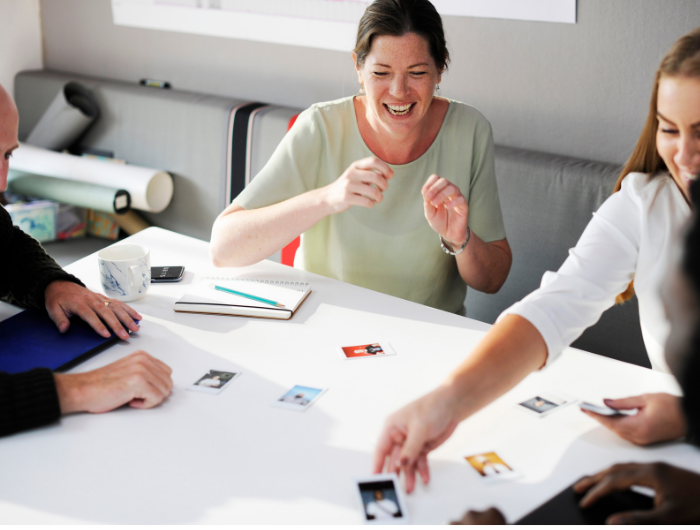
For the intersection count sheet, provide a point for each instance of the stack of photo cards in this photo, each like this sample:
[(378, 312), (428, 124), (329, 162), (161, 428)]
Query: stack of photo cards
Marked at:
[(299, 398), (545, 403), (375, 349), (213, 382), (381, 499), (491, 467)]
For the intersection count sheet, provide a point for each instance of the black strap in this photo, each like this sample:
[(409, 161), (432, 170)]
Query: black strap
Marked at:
[(239, 148)]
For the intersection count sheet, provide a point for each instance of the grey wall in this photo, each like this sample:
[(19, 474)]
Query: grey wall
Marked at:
[(579, 90)]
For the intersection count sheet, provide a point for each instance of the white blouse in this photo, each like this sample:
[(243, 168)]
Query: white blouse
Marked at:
[(631, 236)]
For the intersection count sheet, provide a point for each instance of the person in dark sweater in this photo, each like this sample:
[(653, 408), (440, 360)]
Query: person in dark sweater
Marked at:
[(31, 278)]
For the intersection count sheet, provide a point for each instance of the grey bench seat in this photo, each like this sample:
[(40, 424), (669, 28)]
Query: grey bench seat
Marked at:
[(547, 202)]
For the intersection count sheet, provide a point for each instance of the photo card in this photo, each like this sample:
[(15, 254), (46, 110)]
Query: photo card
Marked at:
[(213, 382), (545, 403), (491, 467), (375, 349), (299, 398), (381, 499)]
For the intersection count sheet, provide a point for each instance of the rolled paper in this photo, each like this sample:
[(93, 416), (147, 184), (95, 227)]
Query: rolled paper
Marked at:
[(70, 113), (150, 189), (70, 192), (131, 222)]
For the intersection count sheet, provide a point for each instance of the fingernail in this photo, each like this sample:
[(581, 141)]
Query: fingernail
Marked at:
[(607, 401), (123, 334)]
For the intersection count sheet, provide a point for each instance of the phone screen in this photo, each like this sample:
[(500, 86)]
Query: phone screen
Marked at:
[(166, 274)]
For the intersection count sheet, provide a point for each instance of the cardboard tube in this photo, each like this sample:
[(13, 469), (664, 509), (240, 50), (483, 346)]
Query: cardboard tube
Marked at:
[(70, 113), (150, 189), (70, 192), (131, 222)]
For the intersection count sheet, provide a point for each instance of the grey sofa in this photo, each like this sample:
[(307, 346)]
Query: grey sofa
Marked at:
[(547, 201)]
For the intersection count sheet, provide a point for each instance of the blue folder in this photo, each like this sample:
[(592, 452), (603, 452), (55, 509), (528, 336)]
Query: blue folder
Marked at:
[(30, 339)]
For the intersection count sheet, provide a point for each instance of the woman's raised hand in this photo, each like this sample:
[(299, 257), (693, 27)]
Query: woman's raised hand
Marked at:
[(362, 184), (446, 210)]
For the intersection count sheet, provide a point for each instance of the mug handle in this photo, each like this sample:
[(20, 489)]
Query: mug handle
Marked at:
[(132, 272)]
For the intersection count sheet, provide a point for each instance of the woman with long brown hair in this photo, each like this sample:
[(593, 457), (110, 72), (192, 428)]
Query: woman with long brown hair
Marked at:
[(630, 238)]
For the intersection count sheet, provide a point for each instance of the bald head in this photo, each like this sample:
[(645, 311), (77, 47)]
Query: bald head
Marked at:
[(9, 121)]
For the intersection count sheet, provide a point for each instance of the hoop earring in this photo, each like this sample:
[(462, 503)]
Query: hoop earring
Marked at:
[(362, 90), (437, 90)]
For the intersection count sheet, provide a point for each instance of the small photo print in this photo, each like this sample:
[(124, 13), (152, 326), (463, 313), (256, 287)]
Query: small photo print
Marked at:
[(545, 403), (381, 501), (299, 398), (491, 467), (375, 349), (213, 382)]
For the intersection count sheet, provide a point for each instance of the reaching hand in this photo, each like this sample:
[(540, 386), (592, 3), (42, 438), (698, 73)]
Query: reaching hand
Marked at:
[(446, 210), (139, 380), (65, 299), (411, 433), (677, 492), (362, 184), (490, 516), (659, 418)]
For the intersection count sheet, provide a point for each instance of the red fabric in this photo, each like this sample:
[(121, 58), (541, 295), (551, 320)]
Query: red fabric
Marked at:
[(290, 250)]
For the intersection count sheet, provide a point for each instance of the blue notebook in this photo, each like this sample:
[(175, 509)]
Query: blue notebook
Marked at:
[(30, 339)]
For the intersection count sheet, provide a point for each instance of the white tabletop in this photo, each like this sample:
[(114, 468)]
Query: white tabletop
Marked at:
[(233, 458)]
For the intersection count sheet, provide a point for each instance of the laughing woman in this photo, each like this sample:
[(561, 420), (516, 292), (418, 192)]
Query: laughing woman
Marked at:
[(393, 189)]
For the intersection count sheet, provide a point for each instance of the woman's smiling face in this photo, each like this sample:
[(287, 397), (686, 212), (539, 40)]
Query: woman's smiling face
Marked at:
[(678, 135), (399, 76)]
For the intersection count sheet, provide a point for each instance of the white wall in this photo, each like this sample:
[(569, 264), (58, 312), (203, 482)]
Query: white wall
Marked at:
[(20, 39), (580, 90)]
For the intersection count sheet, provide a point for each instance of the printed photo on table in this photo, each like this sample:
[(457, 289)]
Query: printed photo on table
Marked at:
[(375, 349), (299, 397), (545, 403), (380, 501), (213, 382), (491, 466)]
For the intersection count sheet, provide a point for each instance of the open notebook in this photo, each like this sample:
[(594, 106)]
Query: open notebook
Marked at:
[(205, 298)]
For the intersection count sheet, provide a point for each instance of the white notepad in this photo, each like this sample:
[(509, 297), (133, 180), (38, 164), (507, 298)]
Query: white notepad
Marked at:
[(204, 298)]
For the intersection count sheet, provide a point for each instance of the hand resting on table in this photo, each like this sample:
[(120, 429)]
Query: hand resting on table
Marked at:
[(139, 380)]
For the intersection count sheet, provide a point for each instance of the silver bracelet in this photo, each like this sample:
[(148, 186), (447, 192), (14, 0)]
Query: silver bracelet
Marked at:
[(448, 248)]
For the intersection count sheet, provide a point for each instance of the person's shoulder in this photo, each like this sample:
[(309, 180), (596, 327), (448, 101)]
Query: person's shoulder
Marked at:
[(646, 188), (464, 114), (326, 114)]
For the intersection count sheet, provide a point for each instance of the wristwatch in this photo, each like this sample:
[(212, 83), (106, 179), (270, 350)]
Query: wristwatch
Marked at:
[(451, 251)]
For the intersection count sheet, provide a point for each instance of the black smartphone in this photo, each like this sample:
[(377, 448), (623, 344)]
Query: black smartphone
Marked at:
[(166, 274)]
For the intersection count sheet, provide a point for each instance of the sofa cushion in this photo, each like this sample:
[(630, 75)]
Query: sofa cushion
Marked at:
[(547, 201)]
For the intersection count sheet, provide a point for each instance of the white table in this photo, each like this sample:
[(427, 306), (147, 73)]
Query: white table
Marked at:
[(233, 458)]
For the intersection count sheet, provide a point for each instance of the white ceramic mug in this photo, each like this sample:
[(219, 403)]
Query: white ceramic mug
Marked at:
[(125, 271)]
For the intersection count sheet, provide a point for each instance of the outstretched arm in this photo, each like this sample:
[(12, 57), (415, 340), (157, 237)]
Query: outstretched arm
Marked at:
[(510, 351)]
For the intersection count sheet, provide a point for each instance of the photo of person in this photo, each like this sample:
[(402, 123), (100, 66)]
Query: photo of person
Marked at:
[(539, 404), (213, 381), (299, 397), (366, 350), (490, 465), (379, 500)]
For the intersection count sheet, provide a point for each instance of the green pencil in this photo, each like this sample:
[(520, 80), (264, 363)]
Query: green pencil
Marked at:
[(244, 295)]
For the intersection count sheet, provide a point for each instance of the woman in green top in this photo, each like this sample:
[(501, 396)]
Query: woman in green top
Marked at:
[(393, 189)]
